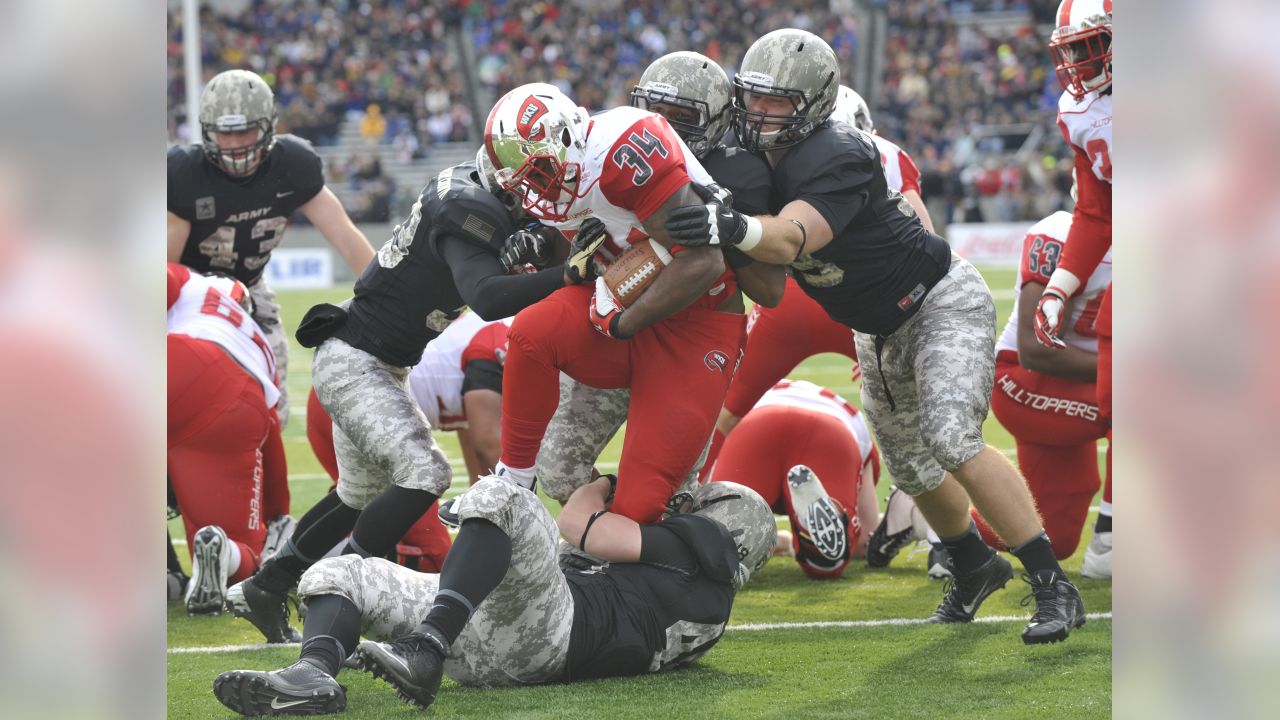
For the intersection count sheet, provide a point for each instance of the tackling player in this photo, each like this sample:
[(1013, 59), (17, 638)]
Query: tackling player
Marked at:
[(231, 195), (924, 315), (443, 257), (1081, 49), (503, 613)]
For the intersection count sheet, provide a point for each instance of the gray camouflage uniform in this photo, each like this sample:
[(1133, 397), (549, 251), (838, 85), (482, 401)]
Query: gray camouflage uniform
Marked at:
[(380, 435), (266, 312), (940, 367), (518, 635)]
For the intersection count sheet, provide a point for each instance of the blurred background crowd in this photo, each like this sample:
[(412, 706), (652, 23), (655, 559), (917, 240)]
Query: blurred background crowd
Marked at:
[(966, 87)]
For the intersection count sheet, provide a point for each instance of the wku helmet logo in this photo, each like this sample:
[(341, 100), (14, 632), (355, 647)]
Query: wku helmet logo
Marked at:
[(532, 112)]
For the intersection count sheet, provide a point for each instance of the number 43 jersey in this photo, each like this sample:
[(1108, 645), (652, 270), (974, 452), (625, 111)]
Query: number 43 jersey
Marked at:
[(235, 224), (1041, 251)]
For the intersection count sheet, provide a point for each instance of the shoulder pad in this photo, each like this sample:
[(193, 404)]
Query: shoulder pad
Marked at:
[(460, 206), (745, 175), (834, 157), (300, 162)]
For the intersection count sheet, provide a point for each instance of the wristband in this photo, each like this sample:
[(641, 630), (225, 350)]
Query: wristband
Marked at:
[(582, 541), (755, 230)]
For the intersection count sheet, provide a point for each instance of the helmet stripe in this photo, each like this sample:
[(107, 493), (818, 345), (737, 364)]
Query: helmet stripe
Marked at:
[(1064, 13)]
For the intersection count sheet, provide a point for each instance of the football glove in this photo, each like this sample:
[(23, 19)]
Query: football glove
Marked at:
[(526, 246), (605, 312), (579, 268), (1049, 317), (716, 223)]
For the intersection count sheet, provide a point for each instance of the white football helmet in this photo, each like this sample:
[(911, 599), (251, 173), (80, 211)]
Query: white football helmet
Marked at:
[(527, 137), (1081, 46), (852, 109)]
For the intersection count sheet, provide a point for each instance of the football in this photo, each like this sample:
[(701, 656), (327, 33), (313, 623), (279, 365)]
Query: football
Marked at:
[(635, 270)]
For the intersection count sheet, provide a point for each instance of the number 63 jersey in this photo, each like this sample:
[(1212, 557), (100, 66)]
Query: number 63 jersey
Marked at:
[(1041, 251), (235, 224)]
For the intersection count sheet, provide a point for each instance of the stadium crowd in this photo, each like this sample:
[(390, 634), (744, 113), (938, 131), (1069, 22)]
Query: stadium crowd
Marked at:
[(960, 92)]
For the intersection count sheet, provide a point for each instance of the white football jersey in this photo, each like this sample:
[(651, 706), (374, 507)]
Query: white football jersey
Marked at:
[(436, 381), (1086, 124), (804, 394), (900, 172), (202, 310), (1040, 253)]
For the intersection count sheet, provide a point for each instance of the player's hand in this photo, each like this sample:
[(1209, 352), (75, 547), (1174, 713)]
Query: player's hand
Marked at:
[(526, 246), (716, 223), (1049, 317), (605, 312), (578, 267)]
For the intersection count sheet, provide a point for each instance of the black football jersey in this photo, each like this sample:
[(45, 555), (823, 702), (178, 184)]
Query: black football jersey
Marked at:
[(235, 224), (743, 174), (647, 616), (407, 295), (881, 262)]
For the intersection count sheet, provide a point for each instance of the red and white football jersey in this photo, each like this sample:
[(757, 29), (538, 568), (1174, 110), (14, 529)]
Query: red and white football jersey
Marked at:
[(436, 381), (1041, 250), (1086, 125), (199, 307), (899, 170), (806, 395)]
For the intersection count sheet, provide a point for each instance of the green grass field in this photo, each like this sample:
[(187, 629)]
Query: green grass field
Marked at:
[(852, 664)]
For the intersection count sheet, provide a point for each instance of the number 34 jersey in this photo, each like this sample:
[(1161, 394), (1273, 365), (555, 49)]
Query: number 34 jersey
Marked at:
[(1041, 251), (235, 224)]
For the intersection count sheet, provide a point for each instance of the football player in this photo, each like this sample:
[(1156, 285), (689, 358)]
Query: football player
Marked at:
[(444, 256), (692, 92), (922, 313), (231, 195), (681, 339), (225, 457), (458, 385), (1081, 49), (809, 454), (503, 612)]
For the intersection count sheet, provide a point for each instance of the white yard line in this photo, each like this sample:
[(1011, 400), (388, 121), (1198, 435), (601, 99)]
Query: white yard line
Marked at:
[(733, 628)]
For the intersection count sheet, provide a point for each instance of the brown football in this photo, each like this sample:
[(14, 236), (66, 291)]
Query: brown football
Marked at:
[(635, 270)]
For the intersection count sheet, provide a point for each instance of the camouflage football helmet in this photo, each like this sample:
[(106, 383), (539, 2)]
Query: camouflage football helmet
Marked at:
[(747, 517), (792, 64), (695, 83), (237, 101), (852, 109)]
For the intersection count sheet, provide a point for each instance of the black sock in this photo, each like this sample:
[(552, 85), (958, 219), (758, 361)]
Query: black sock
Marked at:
[(330, 632), (1103, 524), (174, 565), (1036, 555), (476, 564), (967, 550), (324, 526), (386, 519)]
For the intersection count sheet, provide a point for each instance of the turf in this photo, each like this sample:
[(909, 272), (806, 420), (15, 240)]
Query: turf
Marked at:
[(885, 671)]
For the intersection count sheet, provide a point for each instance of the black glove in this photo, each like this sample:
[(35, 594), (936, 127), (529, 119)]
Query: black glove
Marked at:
[(578, 267), (526, 246), (715, 223)]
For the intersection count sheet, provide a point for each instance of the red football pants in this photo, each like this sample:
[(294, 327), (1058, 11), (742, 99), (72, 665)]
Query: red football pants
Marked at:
[(771, 440), (1056, 425), (1103, 324), (219, 424), (427, 540), (678, 371)]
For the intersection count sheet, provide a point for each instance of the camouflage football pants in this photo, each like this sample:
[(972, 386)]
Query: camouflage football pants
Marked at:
[(584, 423), (266, 312), (939, 366), (518, 635), (380, 436)]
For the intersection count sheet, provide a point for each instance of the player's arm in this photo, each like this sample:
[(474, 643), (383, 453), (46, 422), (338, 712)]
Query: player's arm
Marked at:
[(484, 285), (1068, 362), (917, 204), (585, 523), (484, 420), (179, 231), (798, 228), (763, 282), (331, 219)]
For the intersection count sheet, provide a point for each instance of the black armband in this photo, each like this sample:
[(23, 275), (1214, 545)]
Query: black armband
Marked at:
[(482, 375), (582, 541), (804, 238)]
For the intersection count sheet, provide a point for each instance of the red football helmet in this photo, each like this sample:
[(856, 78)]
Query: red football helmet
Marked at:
[(1081, 46)]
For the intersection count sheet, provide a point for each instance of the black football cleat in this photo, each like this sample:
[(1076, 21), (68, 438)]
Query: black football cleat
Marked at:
[(448, 512), (966, 591), (300, 689), (266, 609), (413, 665), (939, 564), (1059, 608), (902, 524)]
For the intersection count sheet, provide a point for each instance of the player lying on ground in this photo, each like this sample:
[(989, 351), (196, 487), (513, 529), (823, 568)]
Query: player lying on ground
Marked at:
[(502, 612)]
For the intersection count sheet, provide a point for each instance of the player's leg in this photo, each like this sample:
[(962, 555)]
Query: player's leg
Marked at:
[(1097, 559), (425, 545), (545, 338), (584, 422), (680, 370), (822, 503), (752, 456), (266, 312)]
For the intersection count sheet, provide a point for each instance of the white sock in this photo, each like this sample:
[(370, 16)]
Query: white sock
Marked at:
[(932, 537), (1104, 508), (234, 563), (524, 477)]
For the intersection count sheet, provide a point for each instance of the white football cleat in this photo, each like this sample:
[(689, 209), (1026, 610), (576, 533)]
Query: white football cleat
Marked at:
[(1097, 557), (210, 568), (821, 521), (278, 533)]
